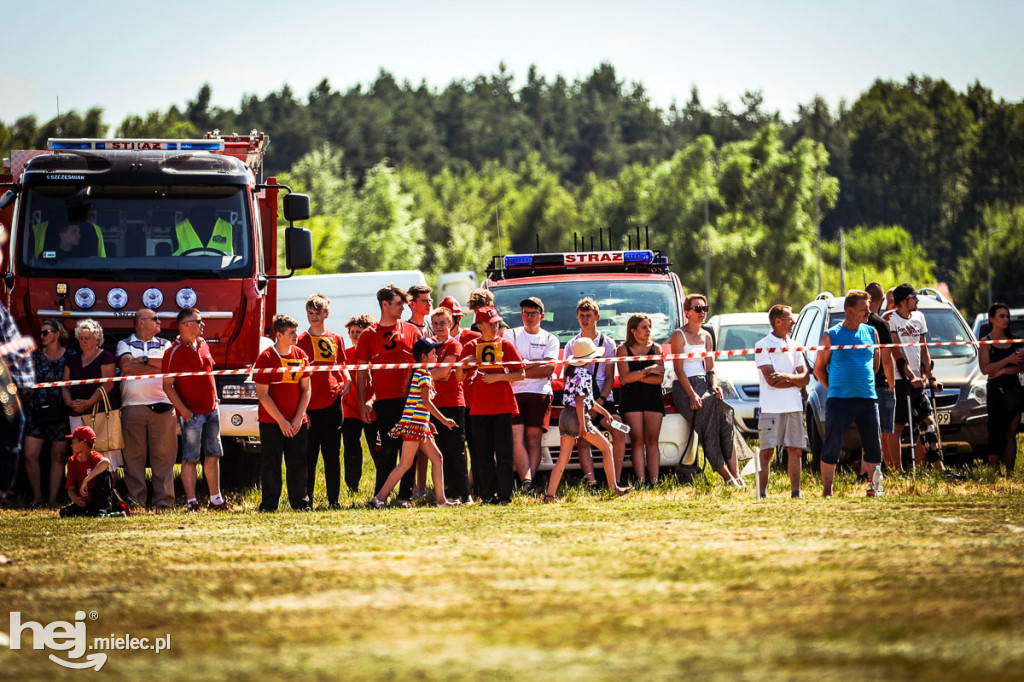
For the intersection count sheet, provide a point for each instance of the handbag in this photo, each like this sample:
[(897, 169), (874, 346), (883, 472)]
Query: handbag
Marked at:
[(107, 425)]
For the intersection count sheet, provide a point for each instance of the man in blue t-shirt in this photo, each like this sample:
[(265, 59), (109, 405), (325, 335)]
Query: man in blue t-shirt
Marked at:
[(849, 376)]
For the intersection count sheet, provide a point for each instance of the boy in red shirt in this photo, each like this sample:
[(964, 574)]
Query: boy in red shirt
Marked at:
[(388, 341), (284, 428), (327, 389), (452, 403), (90, 485), (492, 407), (352, 424)]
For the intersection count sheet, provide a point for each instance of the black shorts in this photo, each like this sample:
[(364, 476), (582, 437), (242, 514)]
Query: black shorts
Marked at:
[(534, 410), (918, 401)]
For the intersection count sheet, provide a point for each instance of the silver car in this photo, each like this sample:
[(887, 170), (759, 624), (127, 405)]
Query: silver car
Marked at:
[(737, 374)]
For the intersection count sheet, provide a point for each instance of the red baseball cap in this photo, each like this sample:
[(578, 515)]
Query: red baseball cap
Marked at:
[(84, 433), (487, 314), (452, 304)]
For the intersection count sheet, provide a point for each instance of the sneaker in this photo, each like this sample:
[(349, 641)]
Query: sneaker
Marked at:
[(193, 507), (419, 495), (333, 506), (115, 515), (794, 494), (224, 506), (403, 504), (953, 476)]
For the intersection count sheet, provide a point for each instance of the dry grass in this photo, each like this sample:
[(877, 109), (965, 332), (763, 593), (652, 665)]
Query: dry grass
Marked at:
[(693, 581)]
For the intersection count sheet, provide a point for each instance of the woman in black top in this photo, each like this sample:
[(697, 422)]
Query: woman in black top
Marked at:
[(640, 398), (1002, 361)]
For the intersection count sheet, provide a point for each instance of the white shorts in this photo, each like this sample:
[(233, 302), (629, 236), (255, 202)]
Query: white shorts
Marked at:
[(784, 429)]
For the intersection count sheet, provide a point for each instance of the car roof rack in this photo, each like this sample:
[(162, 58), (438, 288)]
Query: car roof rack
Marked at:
[(934, 293)]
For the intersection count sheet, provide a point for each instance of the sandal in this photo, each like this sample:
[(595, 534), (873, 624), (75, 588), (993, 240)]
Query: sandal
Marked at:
[(618, 491), (377, 504), (550, 498)]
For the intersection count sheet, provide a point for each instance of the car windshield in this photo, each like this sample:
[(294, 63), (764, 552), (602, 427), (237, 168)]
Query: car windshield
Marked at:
[(944, 326), (738, 336), (134, 232), (617, 299)]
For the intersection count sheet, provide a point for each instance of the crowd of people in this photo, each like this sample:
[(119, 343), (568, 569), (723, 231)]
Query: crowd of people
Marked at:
[(482, 398)]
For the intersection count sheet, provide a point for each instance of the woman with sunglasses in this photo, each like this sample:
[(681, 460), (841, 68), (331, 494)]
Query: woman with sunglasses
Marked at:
[(699, 397), (1001, 361), (93, 362), (47, 415)]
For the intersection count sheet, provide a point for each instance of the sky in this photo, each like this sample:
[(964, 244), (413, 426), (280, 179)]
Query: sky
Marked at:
[(131, 57)]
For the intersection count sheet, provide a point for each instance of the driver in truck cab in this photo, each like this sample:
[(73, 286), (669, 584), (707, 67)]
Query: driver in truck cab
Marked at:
[(204, 221), (59, 240)]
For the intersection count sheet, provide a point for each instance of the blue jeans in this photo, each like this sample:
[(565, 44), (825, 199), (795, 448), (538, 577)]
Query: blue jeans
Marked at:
[(200, 435), (839, 412)]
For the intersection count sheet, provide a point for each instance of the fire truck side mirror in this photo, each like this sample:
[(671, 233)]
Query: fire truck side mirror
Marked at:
[(8, 198), (296, 207), (298, 246)]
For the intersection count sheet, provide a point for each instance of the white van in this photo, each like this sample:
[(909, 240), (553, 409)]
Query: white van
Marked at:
[(353, 293)]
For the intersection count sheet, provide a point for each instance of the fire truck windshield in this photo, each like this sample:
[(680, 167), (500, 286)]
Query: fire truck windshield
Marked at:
[(617, 299), (138, 232)]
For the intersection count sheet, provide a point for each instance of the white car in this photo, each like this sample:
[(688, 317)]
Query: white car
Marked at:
[(737, 374)]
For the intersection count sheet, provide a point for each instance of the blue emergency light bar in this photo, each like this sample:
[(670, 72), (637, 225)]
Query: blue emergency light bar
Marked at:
[(129, 145)]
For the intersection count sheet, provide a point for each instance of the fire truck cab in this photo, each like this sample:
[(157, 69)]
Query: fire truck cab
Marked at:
[(622, 283), (101, 228)]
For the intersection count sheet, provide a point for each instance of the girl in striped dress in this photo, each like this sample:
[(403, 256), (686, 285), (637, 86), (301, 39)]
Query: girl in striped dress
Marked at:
[(415, 429)]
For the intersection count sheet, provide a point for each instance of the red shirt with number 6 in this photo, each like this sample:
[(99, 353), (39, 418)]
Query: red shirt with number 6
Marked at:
[(496, 398)]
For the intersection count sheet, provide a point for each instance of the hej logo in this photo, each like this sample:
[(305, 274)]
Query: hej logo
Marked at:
[(60, 636)]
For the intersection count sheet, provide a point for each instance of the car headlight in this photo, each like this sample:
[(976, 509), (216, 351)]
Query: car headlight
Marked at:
[(728, 392), (979, 392)]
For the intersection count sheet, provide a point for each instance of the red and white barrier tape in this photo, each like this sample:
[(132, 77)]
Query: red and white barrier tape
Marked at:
[(468, 364)]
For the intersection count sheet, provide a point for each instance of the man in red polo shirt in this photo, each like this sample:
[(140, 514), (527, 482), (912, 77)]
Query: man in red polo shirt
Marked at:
[(492, 407), (327, 391), (195, 401), (388, 341)]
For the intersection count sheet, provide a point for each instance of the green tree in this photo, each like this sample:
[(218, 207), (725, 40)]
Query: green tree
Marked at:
[(887, 254), (1004, 246)]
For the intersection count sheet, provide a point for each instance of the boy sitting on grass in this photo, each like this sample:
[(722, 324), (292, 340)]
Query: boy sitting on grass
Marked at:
[(90, 485)]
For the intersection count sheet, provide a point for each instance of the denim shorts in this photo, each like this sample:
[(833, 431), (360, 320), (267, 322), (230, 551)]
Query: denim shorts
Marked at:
[(200, 436), (886, 409)]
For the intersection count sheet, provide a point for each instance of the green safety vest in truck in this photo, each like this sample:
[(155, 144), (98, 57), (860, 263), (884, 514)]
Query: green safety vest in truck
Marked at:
[(221, 239)]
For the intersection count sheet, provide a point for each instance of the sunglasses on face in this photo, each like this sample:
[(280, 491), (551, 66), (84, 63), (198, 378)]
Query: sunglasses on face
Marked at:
[(700, 308), (46, 332)]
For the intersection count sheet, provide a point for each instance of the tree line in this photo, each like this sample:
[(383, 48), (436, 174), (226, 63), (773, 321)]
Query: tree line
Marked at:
[(915, 173)]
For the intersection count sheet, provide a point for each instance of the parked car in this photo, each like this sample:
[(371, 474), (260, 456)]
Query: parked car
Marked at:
[(960, 406), (982, 327), (737, 374)]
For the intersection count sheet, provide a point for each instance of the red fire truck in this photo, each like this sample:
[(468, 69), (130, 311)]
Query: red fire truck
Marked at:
[(97, 230), (622, 283)]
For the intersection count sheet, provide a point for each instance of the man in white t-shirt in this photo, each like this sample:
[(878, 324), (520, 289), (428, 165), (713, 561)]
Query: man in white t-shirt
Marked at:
[(913, 376), (782, 374), (587, 314), (533, 394), (147, 416)]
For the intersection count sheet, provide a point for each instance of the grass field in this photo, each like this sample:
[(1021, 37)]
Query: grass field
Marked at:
[(926, 582)]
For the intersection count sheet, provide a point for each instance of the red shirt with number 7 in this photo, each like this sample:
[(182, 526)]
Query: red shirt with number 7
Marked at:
[(496, 398), (284, 386)]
